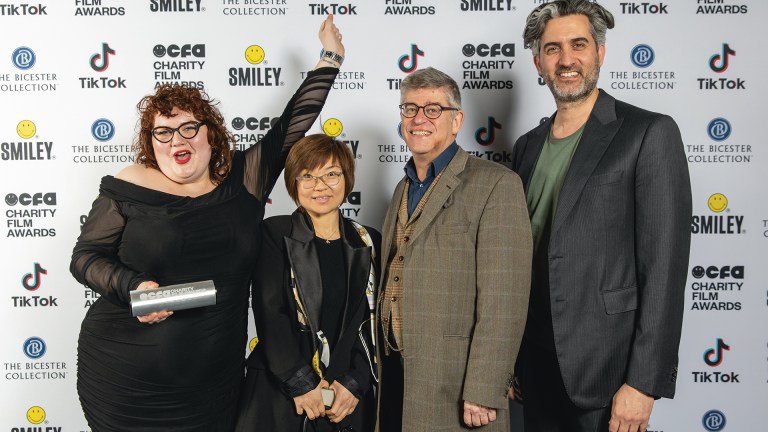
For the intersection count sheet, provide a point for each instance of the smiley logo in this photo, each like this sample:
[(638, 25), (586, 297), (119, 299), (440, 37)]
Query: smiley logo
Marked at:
[(238, 123), (468, 50), (158, 50), (332, 127), (252, 344), (717, 202), (11, 199), (698, 272), (36, 415), (26, 129), (254, 54)]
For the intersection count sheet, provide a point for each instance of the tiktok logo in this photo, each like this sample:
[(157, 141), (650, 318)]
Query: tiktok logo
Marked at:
[(489, 132), (413, 58), (100, 61), (31, 281), (719, 62), (714, 356)]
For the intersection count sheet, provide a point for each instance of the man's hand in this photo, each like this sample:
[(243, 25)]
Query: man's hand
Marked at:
[(631, 410), (343, 403), (311, 402), (478, 415)]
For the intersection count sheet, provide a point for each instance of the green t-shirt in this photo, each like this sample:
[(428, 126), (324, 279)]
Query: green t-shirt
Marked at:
[(546, 182)]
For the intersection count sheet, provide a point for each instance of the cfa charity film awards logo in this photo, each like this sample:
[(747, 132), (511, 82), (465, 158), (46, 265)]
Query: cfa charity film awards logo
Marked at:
[(717, 288), (486, 66), (176, 62), (30, 215)]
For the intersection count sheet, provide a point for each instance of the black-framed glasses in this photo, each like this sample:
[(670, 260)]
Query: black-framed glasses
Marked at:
[(308, 181), (432, 111), (187, 130)]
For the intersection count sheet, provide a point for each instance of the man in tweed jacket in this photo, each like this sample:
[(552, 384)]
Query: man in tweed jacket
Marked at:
[(454, 292)]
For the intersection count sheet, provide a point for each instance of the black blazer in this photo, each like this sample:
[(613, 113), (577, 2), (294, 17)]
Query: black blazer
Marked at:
[(280, 366), (618, 252)]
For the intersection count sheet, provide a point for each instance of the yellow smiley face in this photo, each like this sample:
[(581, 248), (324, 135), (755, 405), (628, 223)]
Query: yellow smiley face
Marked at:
[(717, 202), (26, 129), (36, 415), (332, 127), (254, 54), (252, 343)]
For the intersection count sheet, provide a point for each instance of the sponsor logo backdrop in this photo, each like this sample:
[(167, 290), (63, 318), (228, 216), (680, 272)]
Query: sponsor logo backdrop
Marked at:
[(72, 71)]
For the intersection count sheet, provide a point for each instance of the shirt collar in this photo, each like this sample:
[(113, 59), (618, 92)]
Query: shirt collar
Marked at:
[(437, 165)]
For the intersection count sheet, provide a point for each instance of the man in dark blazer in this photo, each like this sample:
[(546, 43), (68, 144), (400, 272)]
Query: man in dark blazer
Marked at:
[(609, 197), (456, 260)]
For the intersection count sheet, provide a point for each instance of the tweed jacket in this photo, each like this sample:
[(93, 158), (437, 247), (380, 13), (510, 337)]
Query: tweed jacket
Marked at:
[(466, 283)]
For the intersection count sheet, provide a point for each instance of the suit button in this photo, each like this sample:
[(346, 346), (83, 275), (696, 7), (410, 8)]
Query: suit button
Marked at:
[(394, 299), (400, 258), (406, 238), (396, 279)]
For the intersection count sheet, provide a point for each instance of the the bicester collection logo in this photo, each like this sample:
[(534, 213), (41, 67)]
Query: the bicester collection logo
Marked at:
[(24, 58)]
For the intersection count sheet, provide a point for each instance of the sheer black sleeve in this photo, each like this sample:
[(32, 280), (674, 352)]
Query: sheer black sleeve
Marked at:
[(95, 262), (265, 160)]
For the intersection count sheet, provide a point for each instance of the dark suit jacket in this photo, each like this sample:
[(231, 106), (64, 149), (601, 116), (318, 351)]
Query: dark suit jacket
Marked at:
[(280, 366), (618, 252), (466, 282)]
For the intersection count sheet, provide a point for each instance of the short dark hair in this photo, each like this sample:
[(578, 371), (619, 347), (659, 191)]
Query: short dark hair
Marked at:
[(312, 152), (196, 102)]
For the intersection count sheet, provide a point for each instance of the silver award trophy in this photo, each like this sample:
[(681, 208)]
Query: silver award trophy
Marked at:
[(173, 297)]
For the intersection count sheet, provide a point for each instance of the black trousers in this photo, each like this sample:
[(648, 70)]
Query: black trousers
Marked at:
[(546, 405), (391, 387)]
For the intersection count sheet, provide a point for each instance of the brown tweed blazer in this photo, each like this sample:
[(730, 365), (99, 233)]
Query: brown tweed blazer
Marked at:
[(466, 285)]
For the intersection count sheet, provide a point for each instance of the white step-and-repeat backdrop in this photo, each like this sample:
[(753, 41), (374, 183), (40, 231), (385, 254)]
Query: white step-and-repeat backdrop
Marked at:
[(72, 71)]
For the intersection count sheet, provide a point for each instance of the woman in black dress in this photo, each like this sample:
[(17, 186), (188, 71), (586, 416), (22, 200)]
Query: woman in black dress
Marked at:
[(312, 304), (189, 211)]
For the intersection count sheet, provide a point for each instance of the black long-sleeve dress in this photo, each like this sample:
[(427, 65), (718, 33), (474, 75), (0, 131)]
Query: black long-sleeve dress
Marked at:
[(182, 374), (281, 366)]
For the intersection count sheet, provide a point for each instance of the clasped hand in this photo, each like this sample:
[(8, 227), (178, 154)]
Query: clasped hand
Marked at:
[(311, 403)]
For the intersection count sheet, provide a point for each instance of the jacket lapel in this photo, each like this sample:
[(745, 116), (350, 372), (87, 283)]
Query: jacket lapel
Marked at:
[(303, 258), (442, 193), (358, 262), (388, 227), (533, 149), (598, 133)]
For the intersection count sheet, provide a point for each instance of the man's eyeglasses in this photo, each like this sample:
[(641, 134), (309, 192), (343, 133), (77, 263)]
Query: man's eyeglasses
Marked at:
[(432, 111), (308, 181), (187, 130)]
